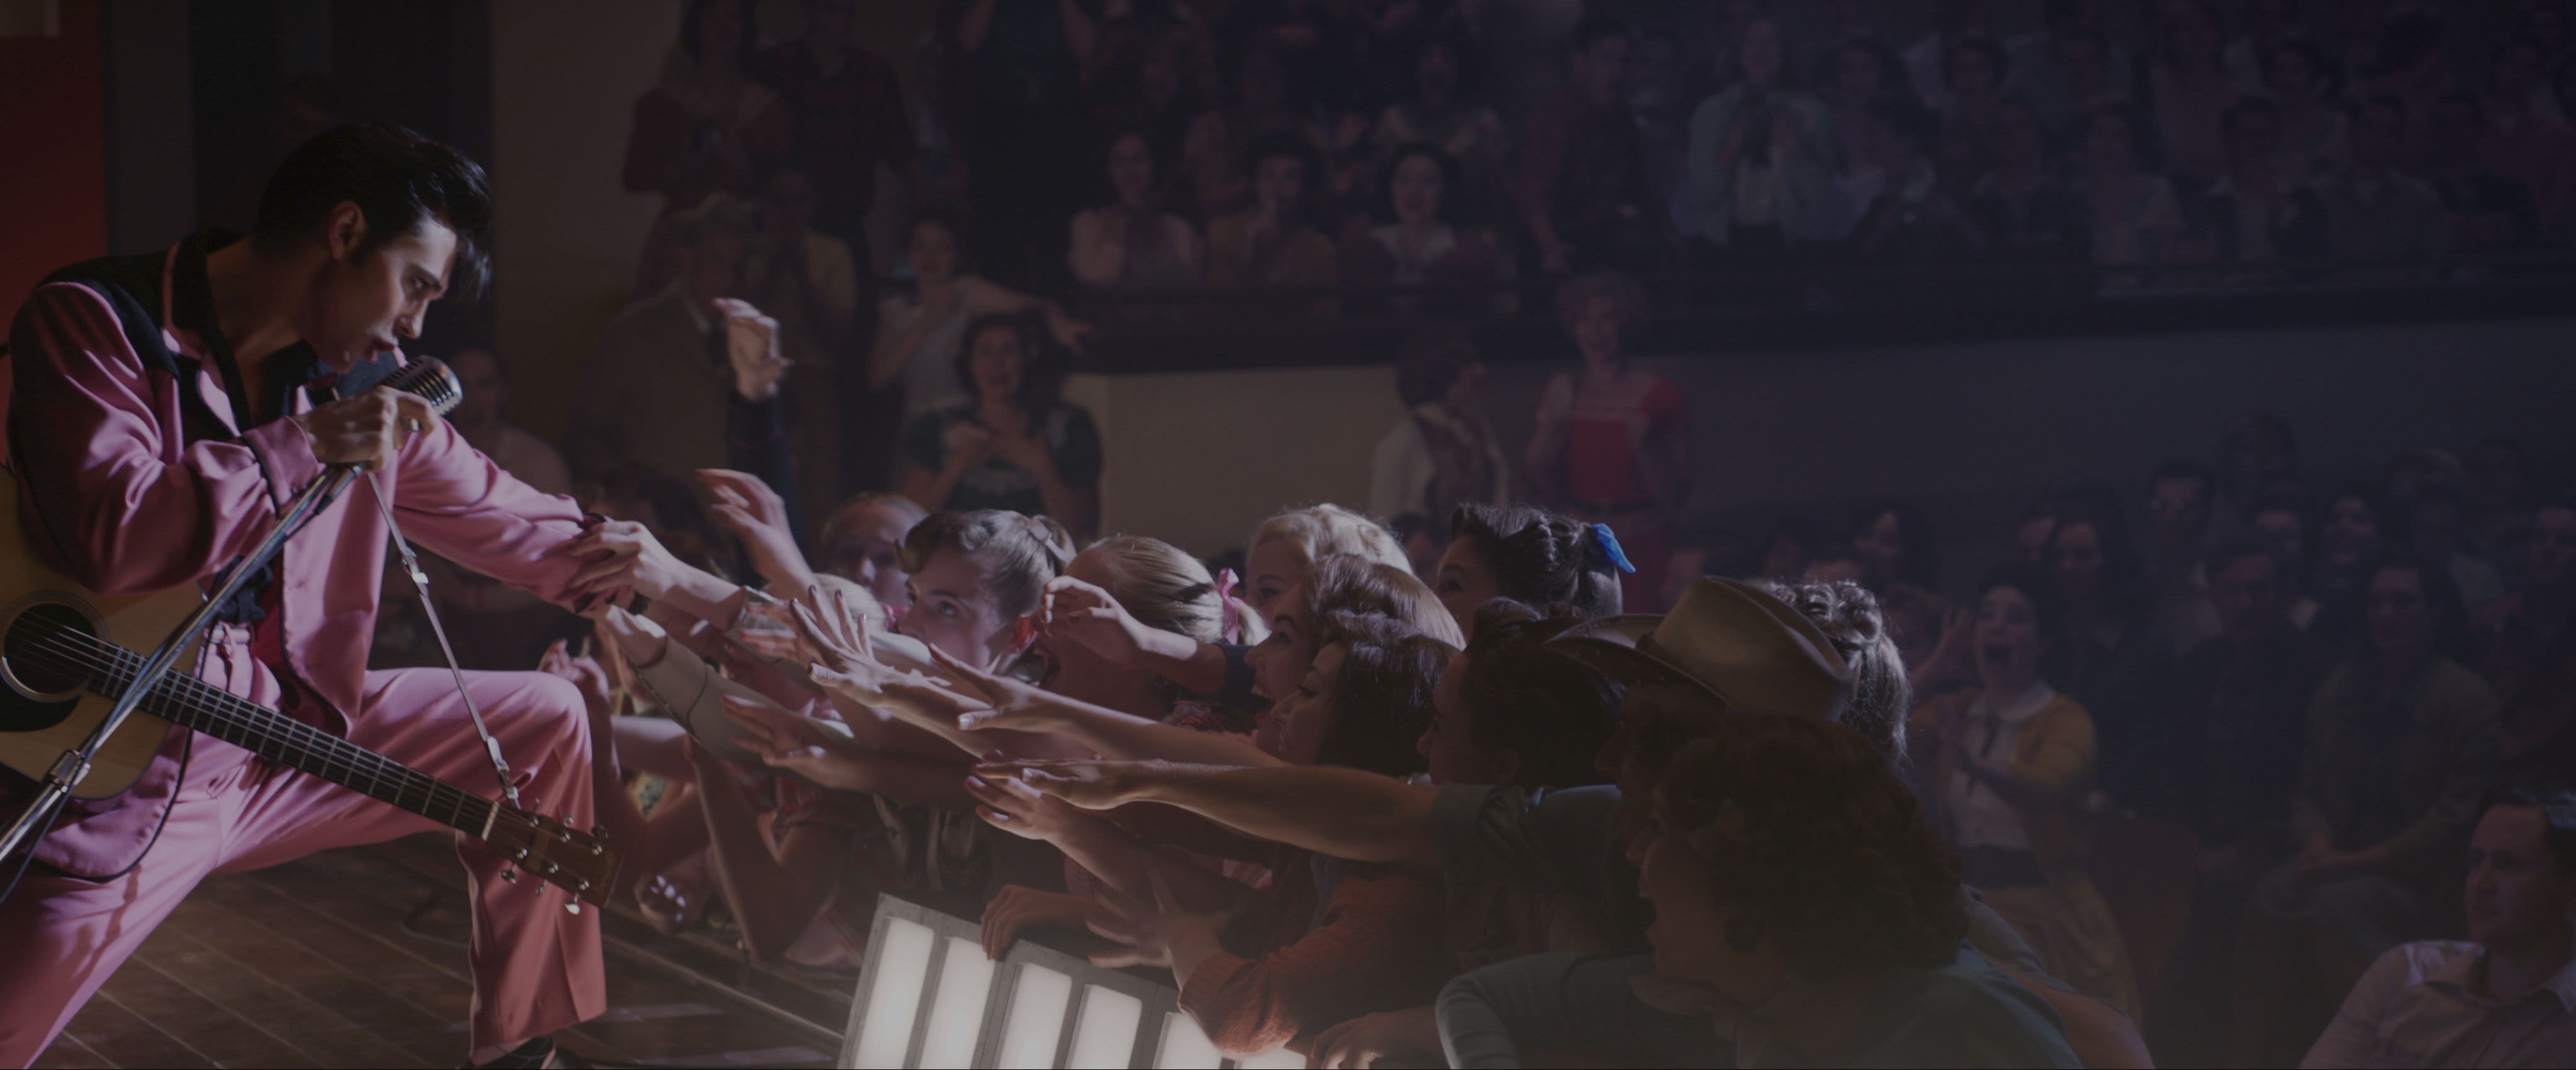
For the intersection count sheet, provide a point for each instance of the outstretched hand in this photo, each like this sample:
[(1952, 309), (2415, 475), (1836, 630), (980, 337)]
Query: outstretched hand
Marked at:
[(757, 516), (1090, 784), (845, 664), (786, 740)]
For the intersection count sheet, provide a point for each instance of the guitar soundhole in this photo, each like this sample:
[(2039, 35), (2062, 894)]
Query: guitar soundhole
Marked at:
[(47, 651)]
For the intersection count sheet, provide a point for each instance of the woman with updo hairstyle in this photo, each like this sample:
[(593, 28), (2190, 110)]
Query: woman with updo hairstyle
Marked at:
[(1528, 555), (1285, 546), (1877, 699), (1788, 867), (1151, 583), (976, 578)]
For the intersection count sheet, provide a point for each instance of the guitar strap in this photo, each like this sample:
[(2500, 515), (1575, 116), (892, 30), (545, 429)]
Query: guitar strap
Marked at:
[(420, 586)]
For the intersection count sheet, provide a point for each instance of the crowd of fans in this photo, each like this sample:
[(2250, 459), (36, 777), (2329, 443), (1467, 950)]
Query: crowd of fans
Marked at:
[(1510, 767)]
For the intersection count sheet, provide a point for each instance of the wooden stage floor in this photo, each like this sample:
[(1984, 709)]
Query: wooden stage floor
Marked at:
[(357, 958)]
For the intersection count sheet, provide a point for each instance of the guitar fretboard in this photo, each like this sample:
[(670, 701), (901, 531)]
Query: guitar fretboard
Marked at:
[(191, 703)]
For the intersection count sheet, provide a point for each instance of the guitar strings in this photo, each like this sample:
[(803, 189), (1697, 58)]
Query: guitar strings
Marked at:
[(225, 710), (220, 706)]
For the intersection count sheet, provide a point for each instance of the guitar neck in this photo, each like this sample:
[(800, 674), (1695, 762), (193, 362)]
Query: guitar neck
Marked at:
[(193, 704)]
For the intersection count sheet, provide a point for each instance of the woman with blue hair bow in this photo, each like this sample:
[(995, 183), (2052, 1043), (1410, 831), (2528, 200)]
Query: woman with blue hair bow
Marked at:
[(1531, 556)]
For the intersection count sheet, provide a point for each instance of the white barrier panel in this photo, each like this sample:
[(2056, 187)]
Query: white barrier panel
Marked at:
[(927, 997)]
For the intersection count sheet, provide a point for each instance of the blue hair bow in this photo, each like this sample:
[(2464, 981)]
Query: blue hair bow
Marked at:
[(1610, 548)]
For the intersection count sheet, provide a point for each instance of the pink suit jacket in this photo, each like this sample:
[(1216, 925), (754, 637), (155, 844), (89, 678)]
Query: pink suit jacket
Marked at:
[(127, 504)]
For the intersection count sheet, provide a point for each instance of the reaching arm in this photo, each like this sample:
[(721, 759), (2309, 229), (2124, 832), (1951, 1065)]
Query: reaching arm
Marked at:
[(1329, 810)]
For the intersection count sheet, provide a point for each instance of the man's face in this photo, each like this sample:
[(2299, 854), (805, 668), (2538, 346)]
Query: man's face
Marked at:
[(2246, 593), (2401, 619), (2553, 547), (2518, 895), (365, 301), (2180, 506)]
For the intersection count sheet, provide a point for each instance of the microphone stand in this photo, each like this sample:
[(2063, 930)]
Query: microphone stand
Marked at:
[(74, 764)]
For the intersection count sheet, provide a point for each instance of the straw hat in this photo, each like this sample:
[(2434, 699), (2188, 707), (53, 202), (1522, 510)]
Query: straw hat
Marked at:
[(1749, 650)]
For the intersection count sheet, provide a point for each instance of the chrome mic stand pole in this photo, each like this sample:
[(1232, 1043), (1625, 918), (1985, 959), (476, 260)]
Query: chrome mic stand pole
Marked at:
[(69, 769)]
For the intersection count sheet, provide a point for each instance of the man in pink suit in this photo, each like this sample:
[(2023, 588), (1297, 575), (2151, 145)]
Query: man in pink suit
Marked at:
[(162, 410)]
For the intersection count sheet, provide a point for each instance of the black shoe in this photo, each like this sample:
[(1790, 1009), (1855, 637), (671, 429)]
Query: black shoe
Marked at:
[(532, 1055)]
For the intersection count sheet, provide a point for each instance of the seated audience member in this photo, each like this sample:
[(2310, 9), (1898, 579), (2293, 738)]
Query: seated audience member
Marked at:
[(2131, 211), (1916, 214), (2181, 505), (2314, 130), (2020, 207), (1612, 442), (2521, 144), (1584, 194), (1273, 243), (2375, 212), (1895, 547), (1442, 453), (2283, 523), (2529, 644), (919, 333), (1214, 146), (1419, 233), (1805, 914), (2500, 502), (2506, 996), (2348, 542), (2401, 743), (2233, 723), (1528, 555), (2108, 657), (2437, 531), (1015, 444), (1761, 164), (2032, 531), (2188, 90), (1440, 116), (2490, 211), (2095, 71), (2012, 761), (669, 373), (1132, 242), (2253, 213), (1976, 72), (2258, 461)]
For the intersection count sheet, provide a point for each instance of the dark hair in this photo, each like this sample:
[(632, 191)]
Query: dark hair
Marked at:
[(1995, 55), (1018, 554), (2047, 609), (2144, 149), (1107, 147), (2441, 599), (1799, 530), (2557, 806), (1540, 557), (1530, 699), (1041, 375), (1815, 847), (1459, 46), (1878, 698), (2329, 70), (1920, 565), (1453, 194), (1382, 699), (1431, 361), (2368, 496), (1349, 583), (1284, 144), (399, 180), (2244, 545), (1594, 29), (2186, 468), (696, 12), (946, 218), (1892, 77)]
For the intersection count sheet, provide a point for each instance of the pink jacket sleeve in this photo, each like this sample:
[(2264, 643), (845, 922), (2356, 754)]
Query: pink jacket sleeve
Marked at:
[(121, 506), (454, 501)]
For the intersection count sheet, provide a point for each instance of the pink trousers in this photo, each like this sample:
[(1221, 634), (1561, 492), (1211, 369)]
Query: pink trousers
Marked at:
[(536, 967)]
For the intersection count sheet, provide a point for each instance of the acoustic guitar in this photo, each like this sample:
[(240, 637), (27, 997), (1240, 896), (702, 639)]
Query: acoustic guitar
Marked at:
[(66, 653)]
